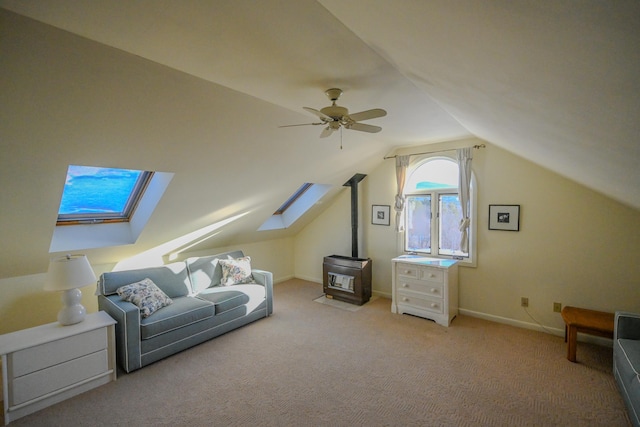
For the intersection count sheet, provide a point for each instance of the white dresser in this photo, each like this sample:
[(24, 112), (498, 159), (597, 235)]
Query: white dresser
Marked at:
[(425, 287), (50, 363)]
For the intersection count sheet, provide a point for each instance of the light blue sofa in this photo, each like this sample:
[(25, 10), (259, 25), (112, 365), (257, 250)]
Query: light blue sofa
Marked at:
[(201, 309), (626, 361)]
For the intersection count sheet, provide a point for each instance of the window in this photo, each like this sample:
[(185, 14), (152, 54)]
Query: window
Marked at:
[(95, 195), (433, 210)]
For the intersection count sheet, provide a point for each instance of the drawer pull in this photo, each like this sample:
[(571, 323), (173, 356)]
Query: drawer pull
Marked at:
[(407, 272), (405, 299), (405, 285), (434, 291), (432, 275), (434, 305)]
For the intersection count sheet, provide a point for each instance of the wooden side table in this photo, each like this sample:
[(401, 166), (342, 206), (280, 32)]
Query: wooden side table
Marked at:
[(586, 321), (50, 363)]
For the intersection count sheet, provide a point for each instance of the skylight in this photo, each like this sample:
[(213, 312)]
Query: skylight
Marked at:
[(291, 200), (102, 207), (307, 195), (95, 194)]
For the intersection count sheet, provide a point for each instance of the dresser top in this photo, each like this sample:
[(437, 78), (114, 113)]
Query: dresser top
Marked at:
[(422, 260)]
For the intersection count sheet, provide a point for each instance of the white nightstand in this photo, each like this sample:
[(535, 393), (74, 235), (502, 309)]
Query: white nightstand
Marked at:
[(47, 364)]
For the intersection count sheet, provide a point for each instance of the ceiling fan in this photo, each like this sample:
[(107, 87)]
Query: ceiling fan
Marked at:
[(336, 117)]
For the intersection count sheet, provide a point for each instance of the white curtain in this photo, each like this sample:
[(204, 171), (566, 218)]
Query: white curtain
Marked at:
[(465, 155), (402, 163)]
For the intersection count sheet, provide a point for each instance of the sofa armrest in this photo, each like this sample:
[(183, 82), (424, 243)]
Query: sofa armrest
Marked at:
[(626, 326), (128, 351), (265, 278)]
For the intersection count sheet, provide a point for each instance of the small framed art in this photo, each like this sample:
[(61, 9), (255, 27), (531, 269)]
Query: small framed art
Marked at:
[(504, 217), (380, 214)]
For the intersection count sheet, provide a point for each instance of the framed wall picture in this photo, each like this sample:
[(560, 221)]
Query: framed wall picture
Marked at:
[(504, 217), (380, 214)]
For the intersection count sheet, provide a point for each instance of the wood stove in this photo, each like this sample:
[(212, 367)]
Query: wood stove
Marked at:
[(347, 279)]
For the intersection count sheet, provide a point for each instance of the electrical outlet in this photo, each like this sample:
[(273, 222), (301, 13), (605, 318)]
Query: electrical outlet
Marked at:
[(524, 302), (557, 307)]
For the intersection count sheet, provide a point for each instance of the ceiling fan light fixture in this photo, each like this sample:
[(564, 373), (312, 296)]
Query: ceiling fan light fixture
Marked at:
[(333, 94), (337, 117)]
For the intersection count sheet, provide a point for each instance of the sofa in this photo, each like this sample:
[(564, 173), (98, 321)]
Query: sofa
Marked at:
[(626, 361), (163, 310)]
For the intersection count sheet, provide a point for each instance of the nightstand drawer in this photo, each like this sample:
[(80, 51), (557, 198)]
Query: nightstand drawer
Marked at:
[(57, 377), (434, 289), (55, 352)]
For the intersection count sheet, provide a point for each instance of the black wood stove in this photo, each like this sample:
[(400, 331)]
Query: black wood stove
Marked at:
[(346, 278)]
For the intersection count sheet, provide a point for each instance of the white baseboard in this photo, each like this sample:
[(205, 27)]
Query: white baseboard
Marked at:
[(607, 342), (381, 294), (308, 279), (316, 280), (282, 279)]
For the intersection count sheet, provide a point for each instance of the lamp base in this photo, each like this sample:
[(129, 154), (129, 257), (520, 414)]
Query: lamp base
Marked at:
[(73, 312)]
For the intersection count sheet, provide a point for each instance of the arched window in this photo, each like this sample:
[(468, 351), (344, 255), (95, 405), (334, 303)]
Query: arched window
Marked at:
[(433, 212)]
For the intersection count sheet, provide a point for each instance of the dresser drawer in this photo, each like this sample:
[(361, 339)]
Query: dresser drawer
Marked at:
[(431, 275), (432, 305), (411, 271), (52, 353), (433, 289), (48, 380)]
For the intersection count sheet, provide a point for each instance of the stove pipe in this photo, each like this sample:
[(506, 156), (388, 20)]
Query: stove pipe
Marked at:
[(353, 183)]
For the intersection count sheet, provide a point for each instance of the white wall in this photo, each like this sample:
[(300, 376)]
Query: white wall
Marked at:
[(575, 246)]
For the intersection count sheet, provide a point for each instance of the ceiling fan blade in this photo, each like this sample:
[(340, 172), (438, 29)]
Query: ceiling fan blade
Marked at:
[(364, 128), (368, 114), (326, 132), (302, 124), (320, 114)]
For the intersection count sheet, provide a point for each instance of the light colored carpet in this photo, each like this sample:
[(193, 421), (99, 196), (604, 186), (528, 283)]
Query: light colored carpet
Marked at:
[(343, 305), (312, 365)]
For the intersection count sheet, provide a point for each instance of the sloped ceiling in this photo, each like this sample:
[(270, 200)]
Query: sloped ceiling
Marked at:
[(207, 84)]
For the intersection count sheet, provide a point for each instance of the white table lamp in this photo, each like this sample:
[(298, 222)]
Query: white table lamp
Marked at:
[(68, 273)]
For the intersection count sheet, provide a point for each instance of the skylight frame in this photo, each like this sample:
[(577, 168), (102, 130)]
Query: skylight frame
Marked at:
[(291, 200), (129, 209)]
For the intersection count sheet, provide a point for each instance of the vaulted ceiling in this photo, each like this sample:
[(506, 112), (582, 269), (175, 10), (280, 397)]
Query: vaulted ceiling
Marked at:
[(555, 82)]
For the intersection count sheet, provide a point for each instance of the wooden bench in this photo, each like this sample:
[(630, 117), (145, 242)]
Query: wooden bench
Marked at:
[(586, 321)]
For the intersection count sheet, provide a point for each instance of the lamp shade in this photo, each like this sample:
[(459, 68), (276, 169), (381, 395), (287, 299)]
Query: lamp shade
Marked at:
[(69, 272)]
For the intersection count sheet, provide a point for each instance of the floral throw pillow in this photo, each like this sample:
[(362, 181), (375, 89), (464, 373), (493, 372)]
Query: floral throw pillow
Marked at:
[(236, 271), (146, 295)]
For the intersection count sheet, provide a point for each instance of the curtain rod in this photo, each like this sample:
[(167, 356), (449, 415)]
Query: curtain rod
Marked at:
[(437, 151)]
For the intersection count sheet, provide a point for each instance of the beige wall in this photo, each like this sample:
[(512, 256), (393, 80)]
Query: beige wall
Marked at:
[(277, 256), (25, 304), (575, 246)]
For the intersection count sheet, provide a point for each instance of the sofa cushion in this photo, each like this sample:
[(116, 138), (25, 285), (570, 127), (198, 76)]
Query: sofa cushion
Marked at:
[(205, 271), (630, 354), (145, 295), (228, 298), (183, 311), (171, 278), (236, 271)]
